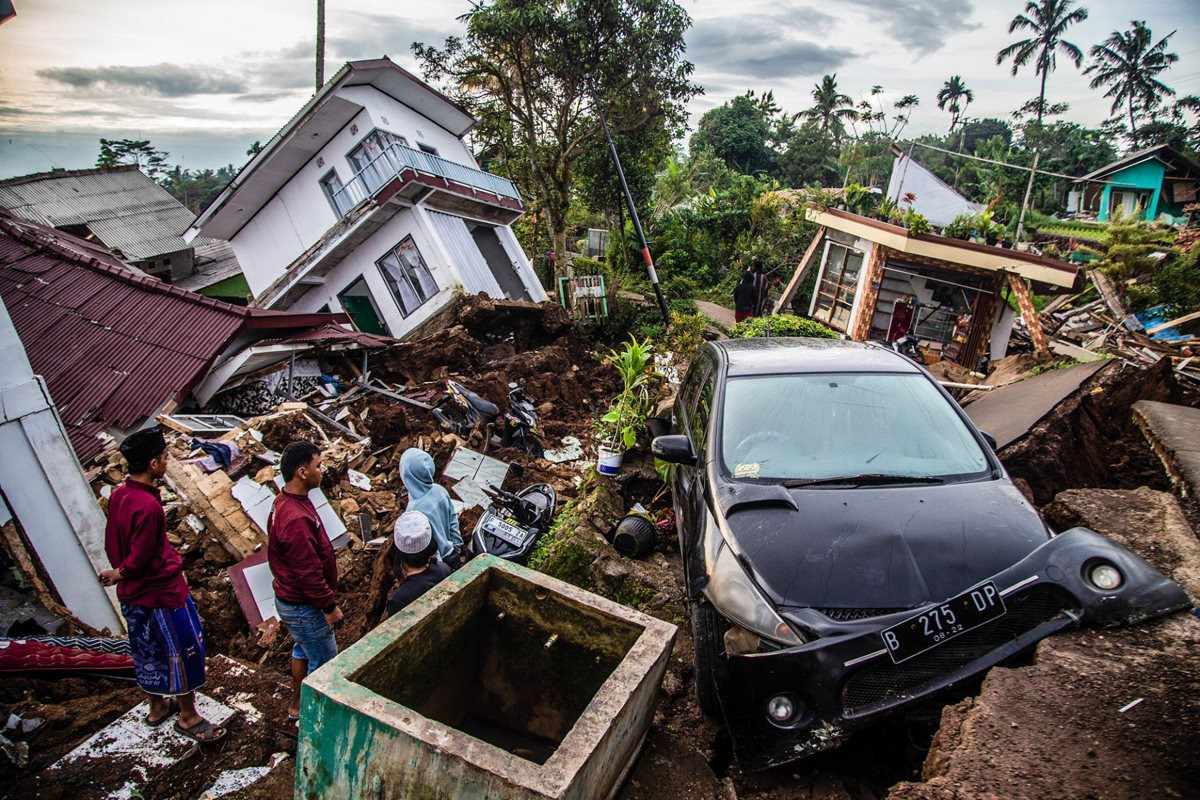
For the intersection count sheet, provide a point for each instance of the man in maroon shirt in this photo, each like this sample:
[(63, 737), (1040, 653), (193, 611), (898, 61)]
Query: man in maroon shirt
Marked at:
[(304, 567), (165, 636)]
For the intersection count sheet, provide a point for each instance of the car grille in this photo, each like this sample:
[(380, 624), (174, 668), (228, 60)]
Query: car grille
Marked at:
[(885, 680), (848, 614)]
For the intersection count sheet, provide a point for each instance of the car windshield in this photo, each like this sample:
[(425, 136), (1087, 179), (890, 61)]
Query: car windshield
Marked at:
[(820, 426)]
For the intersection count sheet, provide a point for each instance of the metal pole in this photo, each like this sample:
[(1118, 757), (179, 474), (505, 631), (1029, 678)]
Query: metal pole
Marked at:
[(1037, 154), (637, 223), (320, 44)]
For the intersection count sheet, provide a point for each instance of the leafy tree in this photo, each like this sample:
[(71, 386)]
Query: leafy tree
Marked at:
[(196, 189), (1129, 247), (809, 157), (149, 159), (955, 95), (737, 133), (532, 70), (977, 130), (1048, 21), (254, 149), (830, 108), (1128, 63)]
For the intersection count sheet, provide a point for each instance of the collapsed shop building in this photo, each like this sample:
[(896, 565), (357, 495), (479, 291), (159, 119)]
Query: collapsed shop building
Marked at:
[(878, 281)]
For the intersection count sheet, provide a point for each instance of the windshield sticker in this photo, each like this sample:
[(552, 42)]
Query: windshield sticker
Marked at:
[(747, 470)]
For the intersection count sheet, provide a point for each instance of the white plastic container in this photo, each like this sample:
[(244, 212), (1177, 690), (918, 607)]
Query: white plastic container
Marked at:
[(609, 461)]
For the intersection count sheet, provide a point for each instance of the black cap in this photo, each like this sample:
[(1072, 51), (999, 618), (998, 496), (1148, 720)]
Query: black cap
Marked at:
[(144, 444)]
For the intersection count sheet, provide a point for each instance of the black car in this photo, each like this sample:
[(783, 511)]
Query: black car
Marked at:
[(852, 546)]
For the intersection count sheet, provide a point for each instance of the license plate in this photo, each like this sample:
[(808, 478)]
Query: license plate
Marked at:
[(942, 623), (505, 531)]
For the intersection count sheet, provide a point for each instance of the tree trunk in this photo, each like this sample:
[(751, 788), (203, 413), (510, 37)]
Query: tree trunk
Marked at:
[(1132, 124), (320, 44), (1042, 96)]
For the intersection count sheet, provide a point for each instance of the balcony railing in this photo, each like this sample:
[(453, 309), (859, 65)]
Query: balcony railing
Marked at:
[(395, 158)]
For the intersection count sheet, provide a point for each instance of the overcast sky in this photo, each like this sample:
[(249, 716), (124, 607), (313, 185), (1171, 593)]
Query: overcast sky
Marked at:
[(205, 79)]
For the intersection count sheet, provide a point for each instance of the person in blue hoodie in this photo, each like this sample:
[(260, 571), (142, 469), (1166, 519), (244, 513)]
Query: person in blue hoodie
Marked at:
[(416, 470)]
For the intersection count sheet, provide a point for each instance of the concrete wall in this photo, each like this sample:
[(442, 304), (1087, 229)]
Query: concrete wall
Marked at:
[(300, 213), (1144, 177), (46, 491), (362, 262)]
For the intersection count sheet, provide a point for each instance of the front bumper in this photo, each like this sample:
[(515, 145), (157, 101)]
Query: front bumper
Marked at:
[(845, 678)]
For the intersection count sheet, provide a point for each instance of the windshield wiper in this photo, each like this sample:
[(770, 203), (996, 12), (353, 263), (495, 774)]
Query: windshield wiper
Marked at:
[(871, 478)]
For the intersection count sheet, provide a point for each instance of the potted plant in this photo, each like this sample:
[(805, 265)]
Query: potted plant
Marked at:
[(619, 425)]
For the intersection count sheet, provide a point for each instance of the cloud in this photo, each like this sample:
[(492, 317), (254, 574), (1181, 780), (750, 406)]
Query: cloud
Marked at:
[(760, 47), (165, 80), (922, 25), (363, 35), (264, 97)]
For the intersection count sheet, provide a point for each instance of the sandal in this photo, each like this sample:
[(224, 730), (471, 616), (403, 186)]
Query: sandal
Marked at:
[(172, 710), (203, 731)]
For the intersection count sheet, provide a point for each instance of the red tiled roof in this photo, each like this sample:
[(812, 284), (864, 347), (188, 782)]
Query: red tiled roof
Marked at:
[(336, 334), (112, 344)]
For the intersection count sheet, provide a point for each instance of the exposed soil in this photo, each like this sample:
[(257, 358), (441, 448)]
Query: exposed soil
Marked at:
[(1090, 440)]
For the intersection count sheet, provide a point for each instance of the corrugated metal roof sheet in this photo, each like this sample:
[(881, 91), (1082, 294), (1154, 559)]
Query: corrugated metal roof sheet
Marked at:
[(113, 344), (124, 208)]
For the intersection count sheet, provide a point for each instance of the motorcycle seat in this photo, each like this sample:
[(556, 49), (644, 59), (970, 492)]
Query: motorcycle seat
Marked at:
[(485, 407)]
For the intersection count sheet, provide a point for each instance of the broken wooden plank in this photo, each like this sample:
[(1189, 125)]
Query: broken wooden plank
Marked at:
[(395, 396), (1109, 293), (331, 422), (1177, 321)]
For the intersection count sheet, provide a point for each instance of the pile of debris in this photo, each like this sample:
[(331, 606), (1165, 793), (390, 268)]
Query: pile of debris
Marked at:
[(220, 485), (1086, 329)]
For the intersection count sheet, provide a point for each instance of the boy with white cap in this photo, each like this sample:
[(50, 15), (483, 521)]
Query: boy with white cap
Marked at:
[(414, 560)]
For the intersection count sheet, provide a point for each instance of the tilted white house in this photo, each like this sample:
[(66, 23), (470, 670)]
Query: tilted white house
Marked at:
[(369, 202)]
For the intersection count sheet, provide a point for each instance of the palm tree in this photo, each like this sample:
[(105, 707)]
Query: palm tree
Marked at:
[(955, 94), (831, 107), (1048, 20), (1127, 64)]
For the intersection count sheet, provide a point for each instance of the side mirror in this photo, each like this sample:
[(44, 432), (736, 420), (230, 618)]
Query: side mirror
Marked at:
[(673, 449), (991, 440)]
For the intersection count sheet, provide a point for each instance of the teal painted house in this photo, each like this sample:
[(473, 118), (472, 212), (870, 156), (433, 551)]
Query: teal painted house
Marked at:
[(1158, 180)]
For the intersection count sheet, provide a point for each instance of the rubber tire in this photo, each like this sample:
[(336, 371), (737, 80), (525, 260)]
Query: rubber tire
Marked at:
[(708, 654), (635, 537)]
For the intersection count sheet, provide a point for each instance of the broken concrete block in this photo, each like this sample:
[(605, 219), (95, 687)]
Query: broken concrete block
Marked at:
[(388, 716), (121, 758)]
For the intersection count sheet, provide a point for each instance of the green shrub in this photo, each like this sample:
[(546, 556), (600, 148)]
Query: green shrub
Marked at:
[(686, 334), (1177, 282), (780, 325)]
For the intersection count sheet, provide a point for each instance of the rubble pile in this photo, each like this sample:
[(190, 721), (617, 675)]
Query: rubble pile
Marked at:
[(362, 432)]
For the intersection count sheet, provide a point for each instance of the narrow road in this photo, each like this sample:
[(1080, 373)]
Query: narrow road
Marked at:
[(719, 314)]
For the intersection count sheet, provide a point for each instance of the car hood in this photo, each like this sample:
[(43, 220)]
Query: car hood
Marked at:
[(883, 547)]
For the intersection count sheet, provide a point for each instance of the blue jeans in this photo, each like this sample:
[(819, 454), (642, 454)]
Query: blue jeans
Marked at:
[(313, 636)]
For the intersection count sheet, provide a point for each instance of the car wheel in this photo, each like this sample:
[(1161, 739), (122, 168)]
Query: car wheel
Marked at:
[(708, 653)]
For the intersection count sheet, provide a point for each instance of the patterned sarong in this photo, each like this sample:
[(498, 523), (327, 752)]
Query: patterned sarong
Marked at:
[(167, 646)]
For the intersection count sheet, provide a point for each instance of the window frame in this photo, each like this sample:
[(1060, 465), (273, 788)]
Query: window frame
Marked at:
[(361, 145), (839, 298), (329, 195), (414, 286)]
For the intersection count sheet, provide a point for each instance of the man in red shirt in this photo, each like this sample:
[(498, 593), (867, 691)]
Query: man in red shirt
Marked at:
[(304, 567), (165, 636)]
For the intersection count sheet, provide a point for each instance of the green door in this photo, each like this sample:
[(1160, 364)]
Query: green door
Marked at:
[(356, 299)]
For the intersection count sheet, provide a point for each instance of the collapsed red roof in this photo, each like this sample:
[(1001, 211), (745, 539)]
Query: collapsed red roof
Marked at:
[(112, 344)]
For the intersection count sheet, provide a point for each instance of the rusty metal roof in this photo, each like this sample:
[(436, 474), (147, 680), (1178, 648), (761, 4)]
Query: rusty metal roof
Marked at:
[(124, 208), (113, 344)]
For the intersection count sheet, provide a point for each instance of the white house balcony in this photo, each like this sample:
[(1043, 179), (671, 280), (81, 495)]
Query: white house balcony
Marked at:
[(413, 174)]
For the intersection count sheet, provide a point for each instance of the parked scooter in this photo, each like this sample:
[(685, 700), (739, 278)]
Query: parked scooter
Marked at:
[(460, 411), (512, 523), (907, 345)]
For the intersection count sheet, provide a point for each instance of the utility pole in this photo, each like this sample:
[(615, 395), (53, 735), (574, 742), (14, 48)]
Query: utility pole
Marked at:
[(633, 215), (320, 44), (1037, 154)]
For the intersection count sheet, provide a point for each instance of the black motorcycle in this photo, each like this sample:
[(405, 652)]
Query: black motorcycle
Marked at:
[(512, 523), (460, 411)]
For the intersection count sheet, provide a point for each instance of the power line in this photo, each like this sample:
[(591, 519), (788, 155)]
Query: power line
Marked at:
[(1006, 164)]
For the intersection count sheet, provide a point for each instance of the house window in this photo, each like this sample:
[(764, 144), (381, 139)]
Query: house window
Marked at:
[(331, 185), (425, 148), (407, 276), (373, 163), (834, 297)]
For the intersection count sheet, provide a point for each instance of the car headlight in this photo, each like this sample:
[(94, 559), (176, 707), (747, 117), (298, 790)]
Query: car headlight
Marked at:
[(731, 592)]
